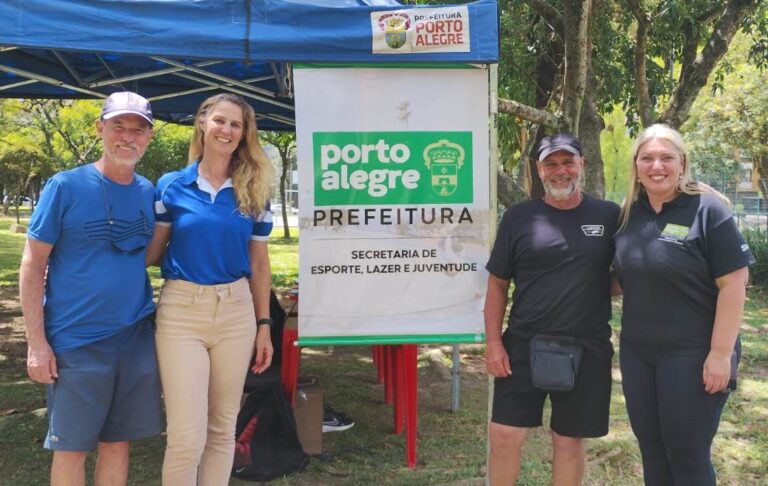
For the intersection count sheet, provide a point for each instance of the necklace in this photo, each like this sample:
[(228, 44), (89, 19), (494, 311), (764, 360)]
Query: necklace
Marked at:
[(115, 240), (106, 201)]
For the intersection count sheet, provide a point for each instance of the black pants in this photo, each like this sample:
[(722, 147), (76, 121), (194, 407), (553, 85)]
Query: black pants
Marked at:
[(672, 416)]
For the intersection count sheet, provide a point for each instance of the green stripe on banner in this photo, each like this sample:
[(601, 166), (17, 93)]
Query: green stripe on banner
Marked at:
[(395, 339), (394, 65)]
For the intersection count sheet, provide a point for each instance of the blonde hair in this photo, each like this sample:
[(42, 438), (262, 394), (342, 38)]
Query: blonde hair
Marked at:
[(252, 171), (685, 185)]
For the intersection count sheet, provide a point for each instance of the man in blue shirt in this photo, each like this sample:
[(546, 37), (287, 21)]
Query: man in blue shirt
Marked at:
[(87, 302)]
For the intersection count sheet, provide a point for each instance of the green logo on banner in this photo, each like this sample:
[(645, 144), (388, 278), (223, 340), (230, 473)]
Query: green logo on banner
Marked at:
[(366, 168), (444, 159)]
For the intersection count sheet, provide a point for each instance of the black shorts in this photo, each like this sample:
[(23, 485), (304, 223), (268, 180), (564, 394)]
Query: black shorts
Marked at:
[(581, 412)]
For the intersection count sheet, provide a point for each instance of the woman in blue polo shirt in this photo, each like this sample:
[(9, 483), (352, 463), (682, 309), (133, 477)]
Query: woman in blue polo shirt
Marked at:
[(213, 216), (682, 265)]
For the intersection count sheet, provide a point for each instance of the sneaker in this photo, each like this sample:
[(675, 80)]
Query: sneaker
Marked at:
[(334, 421)]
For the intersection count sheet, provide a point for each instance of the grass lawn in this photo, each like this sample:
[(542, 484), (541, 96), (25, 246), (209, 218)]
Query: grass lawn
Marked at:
[(451, 446)]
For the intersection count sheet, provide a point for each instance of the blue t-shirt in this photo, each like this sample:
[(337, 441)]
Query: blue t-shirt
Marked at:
[(97, 284), (210, 236)]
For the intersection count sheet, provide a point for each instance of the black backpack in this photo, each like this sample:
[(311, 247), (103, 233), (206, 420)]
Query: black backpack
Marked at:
[(267, 444)]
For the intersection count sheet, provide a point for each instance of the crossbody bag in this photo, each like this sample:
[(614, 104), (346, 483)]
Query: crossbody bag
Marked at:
[(554, 361)]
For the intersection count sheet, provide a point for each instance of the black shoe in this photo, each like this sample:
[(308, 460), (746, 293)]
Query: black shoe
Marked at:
[(335, 422)]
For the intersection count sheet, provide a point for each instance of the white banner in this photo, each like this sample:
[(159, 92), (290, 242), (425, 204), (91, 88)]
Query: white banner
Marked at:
[(393, 203)]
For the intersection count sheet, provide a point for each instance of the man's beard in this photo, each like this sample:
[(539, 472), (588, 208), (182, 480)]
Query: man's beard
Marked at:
[(561, 194), (124, 161)]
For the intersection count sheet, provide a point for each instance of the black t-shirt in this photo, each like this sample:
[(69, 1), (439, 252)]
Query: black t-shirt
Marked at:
[(559, 261), (667, 264)]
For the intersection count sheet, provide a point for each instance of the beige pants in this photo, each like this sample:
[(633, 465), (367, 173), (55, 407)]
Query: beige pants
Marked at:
[(205, 336)]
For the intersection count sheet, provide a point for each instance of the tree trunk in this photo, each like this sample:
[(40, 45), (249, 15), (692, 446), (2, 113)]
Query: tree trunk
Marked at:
[(592, 125), (533, 182), (6, 202), (283, 177), (577, 54), (509, 192), (694, 78), (529, 113), (640, 68), (18, 205)]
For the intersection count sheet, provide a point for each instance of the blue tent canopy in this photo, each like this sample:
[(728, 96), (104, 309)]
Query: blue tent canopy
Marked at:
[(178, 52)]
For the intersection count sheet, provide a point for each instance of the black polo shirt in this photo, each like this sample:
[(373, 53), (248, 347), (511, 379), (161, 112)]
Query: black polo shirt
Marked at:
[(667, 264), (559, 261)]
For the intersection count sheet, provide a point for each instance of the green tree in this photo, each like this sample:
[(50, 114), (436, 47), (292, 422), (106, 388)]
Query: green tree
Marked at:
[(726, 125), (64, 129), (42, 137), (168, 150), (19, 167), (616, 144), (23, 164), (285, 143), (61, 134), (565, 63)]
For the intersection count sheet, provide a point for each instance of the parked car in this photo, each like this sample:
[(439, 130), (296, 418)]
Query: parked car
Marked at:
[(278, 209), (23, 200)]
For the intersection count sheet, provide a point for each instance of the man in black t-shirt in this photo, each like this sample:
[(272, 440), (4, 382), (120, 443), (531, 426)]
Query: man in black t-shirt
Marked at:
[(558, 251)]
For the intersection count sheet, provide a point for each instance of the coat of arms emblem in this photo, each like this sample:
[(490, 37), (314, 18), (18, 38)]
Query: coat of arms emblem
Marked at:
[(444, 159), (395, 26)]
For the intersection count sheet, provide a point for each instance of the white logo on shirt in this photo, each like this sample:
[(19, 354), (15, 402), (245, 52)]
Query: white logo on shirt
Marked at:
[(593, 229), (160, 207), (744, 247)]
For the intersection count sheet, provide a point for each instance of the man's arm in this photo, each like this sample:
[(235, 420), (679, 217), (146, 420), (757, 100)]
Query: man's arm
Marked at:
[(41, 362), (496, 358)]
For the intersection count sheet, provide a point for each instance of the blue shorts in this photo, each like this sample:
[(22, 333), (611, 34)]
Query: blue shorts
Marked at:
[(107, 391)]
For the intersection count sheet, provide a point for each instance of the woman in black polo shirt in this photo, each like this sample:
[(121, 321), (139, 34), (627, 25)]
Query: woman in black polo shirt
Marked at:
[(682, 264)]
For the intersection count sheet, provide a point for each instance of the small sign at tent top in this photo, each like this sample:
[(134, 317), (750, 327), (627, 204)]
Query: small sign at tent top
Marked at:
[(421, 31)]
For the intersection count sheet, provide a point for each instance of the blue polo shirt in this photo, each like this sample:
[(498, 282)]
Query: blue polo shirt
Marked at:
[(210, 236)]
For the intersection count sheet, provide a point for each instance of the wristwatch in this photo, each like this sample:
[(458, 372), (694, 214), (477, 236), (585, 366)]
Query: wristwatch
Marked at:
[(265, 321)]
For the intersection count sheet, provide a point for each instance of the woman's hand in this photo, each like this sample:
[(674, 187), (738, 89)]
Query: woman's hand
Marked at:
[(263, 350), (717, 372), (729, 312), (157, 246)]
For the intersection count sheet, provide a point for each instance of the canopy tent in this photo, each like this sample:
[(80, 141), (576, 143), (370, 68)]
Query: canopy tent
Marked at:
[(178, 52)]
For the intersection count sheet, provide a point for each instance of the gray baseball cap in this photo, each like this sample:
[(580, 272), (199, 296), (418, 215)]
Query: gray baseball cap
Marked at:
[(127, 102)]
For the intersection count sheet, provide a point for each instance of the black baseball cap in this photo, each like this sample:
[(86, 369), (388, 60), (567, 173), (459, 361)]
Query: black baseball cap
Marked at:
[(558, 141)]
